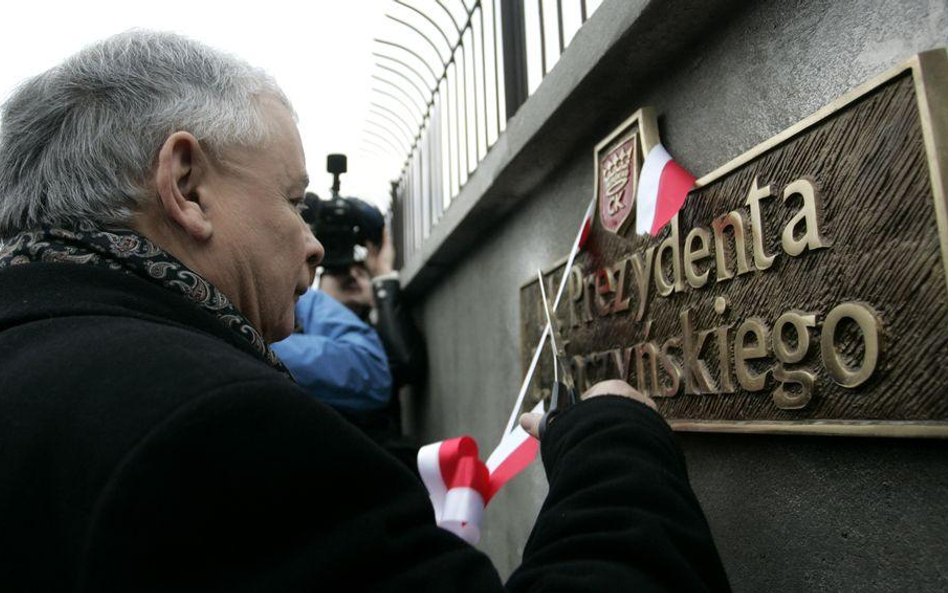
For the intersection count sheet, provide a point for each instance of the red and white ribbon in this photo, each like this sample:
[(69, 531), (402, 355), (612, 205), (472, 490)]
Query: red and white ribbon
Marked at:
[(459, 484), (516, 450)]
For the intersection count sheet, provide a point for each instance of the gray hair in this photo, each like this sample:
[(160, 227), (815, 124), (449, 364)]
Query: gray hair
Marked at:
[(79, 142)]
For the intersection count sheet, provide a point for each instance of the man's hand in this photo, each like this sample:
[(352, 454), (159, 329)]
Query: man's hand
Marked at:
[(531, 422), (381, 258)]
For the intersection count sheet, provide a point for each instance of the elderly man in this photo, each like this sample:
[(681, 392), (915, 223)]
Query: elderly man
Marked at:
[(151, 441)]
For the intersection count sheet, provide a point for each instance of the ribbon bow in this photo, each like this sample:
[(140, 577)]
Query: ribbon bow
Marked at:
[(460, 485), (457, 482)]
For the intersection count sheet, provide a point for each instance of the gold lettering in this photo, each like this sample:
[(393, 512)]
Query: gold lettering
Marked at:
[(782, 347), (808, 214), (621, 357), (724, 359), (743, 352), (672, 368), (785, 399), (621, 302), (868, 322), (641, 270), (736, 222), (697, 378), (762, 261), (662, 285), (647, 349), (605, 286), (693, 255), (595, 305)]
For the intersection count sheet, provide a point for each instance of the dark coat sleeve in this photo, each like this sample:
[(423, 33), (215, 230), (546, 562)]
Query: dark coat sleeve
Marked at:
[(256, 487), (620, 514), (403, 342)]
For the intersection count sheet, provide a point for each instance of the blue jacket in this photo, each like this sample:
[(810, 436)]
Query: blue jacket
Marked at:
[(338, 358)]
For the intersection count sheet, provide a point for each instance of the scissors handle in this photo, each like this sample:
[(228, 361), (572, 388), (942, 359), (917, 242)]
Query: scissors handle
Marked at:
[(560, 392)]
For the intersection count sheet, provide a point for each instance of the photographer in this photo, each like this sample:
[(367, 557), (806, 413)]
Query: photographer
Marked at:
[(335, 353), (370, 288)]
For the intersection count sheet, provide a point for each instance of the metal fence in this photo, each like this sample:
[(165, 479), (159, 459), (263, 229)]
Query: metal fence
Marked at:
[(448, 75)]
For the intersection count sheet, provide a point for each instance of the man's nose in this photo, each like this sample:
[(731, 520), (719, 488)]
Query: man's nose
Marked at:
[(314, 251)]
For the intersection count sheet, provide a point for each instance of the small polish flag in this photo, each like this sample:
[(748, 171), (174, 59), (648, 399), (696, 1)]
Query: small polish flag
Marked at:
[(663, 187)]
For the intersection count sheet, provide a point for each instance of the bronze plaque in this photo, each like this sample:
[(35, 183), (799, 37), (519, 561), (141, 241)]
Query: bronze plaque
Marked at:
[(803, 287)]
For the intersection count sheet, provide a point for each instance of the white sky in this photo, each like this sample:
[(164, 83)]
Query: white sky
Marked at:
[(318, 51)]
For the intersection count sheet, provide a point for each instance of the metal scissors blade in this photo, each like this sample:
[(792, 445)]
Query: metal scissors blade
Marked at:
[(556, 340), (564, 392)]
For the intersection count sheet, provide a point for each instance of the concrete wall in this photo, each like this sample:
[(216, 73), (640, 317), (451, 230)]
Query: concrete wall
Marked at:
[(788, 513)]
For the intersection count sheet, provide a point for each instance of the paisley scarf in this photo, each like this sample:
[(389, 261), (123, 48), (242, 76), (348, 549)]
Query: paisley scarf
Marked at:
[(130, 253)]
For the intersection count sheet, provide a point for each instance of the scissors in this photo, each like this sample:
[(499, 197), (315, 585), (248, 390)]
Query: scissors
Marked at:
[(564, 390)]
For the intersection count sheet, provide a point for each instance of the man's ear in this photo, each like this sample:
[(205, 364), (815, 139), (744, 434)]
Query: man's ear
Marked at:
[(181, 172)]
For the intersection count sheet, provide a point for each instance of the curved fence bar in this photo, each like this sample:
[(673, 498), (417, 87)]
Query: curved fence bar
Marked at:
[(491, 57)]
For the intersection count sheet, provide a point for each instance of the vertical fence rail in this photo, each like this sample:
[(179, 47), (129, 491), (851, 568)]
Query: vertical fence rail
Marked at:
[(445, 83)]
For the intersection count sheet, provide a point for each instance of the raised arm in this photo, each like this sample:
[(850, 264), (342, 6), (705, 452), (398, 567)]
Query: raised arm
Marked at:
[(403, 342), (336, 357), (620, 514)]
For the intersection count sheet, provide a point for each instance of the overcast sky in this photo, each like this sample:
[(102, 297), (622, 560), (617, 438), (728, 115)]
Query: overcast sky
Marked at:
[(318, 51)]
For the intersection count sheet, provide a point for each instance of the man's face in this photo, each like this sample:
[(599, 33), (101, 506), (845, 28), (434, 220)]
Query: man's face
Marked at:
[(350, 285), (266, 254)]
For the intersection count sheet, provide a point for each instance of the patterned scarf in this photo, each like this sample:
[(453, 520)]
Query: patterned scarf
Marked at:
[(128, 252)]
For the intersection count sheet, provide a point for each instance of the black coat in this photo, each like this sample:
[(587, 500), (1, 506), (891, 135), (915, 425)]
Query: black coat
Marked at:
[(145, 447)]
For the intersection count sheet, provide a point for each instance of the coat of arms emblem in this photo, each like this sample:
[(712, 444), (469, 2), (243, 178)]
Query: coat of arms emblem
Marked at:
[(618, 161)]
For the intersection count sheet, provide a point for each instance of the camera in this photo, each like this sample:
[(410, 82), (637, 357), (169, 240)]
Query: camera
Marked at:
[(343, 225)]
